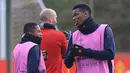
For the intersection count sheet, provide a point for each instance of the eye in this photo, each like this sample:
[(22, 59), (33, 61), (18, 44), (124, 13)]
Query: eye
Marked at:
[(75, 14)]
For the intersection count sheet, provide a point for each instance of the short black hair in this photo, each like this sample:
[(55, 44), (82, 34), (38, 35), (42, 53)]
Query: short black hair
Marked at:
[(82, 7), (29, 27)]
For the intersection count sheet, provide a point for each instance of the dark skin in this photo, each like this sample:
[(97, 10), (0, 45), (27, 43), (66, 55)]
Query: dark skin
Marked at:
[(79, 16), (36, 32)]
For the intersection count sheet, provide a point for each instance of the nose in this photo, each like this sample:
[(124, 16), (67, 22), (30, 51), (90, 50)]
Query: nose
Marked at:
[(73, 18)]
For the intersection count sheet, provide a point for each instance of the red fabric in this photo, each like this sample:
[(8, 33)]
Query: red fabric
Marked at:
[(54, 42), (3, 66)]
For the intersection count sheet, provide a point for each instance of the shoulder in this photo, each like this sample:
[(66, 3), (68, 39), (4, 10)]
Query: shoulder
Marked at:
[(59, 33), (35, 49), (108, 31), (29, 43), (75, 32), (36, 46), (108, 28)]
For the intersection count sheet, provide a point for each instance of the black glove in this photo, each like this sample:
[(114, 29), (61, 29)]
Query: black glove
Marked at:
[(72, 52), (77, 50)]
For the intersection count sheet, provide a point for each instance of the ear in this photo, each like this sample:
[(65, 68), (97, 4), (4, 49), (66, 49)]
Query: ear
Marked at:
[(30, 33), (86, 13), (50, 19)]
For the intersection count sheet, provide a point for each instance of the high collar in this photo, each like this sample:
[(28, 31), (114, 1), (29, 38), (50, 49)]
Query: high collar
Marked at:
[(88, 26), (48, 26), (32, 38)]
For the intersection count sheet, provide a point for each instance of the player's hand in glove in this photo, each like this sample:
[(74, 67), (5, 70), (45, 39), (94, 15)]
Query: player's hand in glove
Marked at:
[(77, 50)]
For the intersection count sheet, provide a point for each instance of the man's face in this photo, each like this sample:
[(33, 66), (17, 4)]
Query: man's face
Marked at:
[(53, 19), (37, 32), (78, 16)]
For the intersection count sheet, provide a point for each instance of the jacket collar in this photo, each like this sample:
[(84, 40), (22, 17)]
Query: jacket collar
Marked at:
[(32, 38), (47, 25), (88, 26)]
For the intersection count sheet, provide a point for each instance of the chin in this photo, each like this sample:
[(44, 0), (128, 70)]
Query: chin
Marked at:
[(75, 24)]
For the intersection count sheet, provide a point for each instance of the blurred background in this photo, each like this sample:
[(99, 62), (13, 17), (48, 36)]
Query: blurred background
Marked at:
[(113, 12), (15, 13)]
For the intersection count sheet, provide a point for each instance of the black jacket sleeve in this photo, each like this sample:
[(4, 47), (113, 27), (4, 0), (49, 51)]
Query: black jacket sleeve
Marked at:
[(109, 47), (34, 60), (68, 60)]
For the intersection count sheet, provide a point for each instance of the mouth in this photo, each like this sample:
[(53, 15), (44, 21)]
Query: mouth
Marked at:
[(75, 22)]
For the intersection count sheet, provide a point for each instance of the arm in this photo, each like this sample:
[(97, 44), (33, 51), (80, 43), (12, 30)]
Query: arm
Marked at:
[(64, 45), (69, 59), (109, 47), (34, 60)]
